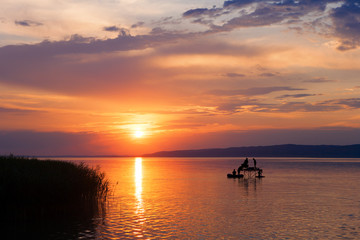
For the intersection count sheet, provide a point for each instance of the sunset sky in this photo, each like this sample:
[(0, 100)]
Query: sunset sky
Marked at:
[(91, 77)]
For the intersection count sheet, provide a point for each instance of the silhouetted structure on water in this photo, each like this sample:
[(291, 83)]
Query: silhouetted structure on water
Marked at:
[(244, 171)]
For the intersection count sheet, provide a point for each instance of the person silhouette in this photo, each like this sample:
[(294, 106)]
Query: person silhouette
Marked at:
[(234, 172), (254, 163), (239, 169), (246, 163)]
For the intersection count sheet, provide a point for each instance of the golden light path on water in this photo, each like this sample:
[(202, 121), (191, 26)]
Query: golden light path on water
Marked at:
[(139, 211), (138, 178)]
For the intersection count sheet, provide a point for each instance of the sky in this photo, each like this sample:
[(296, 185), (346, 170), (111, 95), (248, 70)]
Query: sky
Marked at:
[(127, 77)]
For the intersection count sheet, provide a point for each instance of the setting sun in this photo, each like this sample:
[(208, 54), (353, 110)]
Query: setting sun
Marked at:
[(138, 134)]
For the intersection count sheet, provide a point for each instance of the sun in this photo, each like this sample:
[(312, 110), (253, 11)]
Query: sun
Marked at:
[(138, 134)]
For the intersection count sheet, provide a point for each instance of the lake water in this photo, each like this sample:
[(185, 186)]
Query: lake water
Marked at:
[(191, 198)]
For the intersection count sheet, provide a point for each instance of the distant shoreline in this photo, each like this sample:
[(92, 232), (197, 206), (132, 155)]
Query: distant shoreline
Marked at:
[(285, 150)]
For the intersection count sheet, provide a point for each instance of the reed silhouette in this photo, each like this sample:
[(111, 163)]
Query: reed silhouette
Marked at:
[(32, 181), (41, 197)]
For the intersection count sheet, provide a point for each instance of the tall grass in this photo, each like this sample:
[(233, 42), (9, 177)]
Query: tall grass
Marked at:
[(42, 199), (29, 181)]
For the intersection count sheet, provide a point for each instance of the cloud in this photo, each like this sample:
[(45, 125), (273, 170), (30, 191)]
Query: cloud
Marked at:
[(17, 111), (265, 12), (345, 17), (240, 105), (89, 66), (268, 74), (121, 31), (287, 107), (296, 96), (306, 107), (319, 80), (234, 75), (138, 24), (346, 24), (196, 12), (349, 102), (239, 3), (200, 12), (112, 29), (80, 64), (27, 23), (253, 105), (263, 16), (253, 91)]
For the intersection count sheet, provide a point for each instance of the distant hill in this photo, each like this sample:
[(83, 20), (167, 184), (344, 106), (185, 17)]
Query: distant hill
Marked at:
[(287, 150)]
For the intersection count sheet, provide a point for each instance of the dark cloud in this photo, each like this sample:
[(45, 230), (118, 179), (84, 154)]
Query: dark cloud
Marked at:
[(260, 17), (306, 107), (318, 80), (266, 12), (167, 20), (158, 31), (346, 21), (296, 96), (196, 12), (138, 24), (237, 105), (27, 23), (112, 29), (349, 102), (234, 75), (254, 105), (286, 4), (179, 126), (121, 31), (203, 21), (239, 3), (200, 12), (345, 18), (77, 44), (252, 91), (268, 74), (16, 111), (57, 65)]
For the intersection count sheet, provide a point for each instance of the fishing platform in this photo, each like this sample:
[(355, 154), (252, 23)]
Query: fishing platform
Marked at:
[(250, 172)]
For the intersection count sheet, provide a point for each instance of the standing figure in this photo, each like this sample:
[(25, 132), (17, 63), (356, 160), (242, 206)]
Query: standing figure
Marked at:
[(254, 163), (239, 169), (246, 163), (234, 172)]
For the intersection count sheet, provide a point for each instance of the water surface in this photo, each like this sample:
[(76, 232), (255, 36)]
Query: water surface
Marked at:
[(191, 198)]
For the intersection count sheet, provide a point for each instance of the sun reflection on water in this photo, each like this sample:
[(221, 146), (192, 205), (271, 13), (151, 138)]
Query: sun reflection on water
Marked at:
[(139, 211), (138, 178)]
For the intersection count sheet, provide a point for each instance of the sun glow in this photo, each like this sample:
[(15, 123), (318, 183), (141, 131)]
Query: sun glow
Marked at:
[(138, 134)]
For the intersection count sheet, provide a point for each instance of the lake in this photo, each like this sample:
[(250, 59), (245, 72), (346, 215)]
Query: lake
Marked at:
[(191, 198)]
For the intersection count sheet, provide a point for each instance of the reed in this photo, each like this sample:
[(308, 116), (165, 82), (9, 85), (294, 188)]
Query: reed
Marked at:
[(29, 181)]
